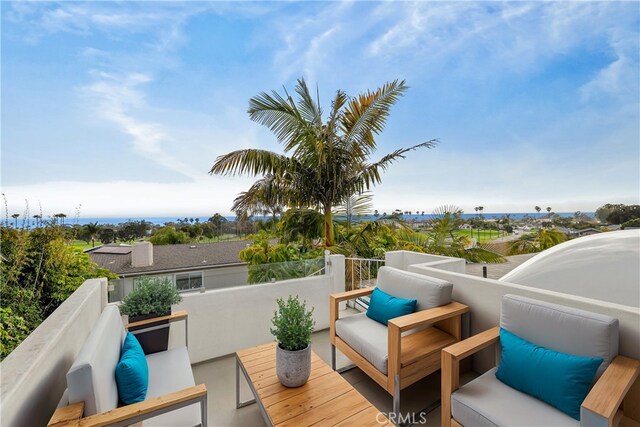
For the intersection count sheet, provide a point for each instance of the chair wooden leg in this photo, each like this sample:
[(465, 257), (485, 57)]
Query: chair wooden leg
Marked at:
[(333, 357), (396, 394), (450, 377)]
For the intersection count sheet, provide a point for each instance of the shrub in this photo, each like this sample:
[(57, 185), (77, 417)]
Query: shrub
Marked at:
[(152, 295), (634, 223), (292, 324), (169, 236), (13, 329), (39, 270)]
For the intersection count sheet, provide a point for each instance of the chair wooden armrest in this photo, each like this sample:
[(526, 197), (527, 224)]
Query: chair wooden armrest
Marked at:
[(428, 317), (133, 413), (67, 416), (356, 293), (173, 317), (607, 394), (450, 362), (471, 345)]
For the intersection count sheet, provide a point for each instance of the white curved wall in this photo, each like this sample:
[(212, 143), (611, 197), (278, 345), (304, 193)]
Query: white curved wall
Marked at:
[(603, 266)]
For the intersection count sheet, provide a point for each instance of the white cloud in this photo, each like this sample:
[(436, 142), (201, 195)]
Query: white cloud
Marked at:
[(128, 198)]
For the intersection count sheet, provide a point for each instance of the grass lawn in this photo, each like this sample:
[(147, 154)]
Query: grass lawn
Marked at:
[(485, 235), (82, 245)]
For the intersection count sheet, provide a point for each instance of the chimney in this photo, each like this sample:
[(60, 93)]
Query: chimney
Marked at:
[(142, 254)]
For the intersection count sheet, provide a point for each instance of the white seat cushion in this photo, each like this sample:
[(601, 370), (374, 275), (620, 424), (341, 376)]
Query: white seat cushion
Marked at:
[(488, 402), (170, 371), (367, 337)]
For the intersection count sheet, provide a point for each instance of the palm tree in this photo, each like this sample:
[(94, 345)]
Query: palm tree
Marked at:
[(324, 161), (15, 218), (538, 209), (92, 229), (543, 239)]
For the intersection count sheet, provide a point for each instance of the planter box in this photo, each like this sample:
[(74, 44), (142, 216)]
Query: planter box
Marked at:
[(155, 340)]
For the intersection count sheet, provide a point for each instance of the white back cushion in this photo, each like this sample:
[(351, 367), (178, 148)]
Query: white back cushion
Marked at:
[(428, 291), (561, 328), (91, 378)]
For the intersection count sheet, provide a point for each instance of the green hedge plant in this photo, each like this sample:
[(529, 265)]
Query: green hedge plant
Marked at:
[(292, 324), (151, 295)]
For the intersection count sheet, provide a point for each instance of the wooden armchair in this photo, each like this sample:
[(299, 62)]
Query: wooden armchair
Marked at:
[(172, 396), (617, 384), (407, 355)]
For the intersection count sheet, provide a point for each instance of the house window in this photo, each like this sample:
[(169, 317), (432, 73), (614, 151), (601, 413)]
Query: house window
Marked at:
[(188, 281)]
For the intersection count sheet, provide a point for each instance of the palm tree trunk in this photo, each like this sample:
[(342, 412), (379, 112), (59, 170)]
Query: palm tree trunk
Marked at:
[(328, 226)]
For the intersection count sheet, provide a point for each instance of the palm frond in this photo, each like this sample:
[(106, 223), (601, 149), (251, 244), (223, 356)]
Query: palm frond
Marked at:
[(266, 195), (308, 108), (253, 162), (370, 174), (280, 115), (366, 115)]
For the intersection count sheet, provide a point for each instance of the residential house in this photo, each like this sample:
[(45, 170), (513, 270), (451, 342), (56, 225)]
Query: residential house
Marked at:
[(191, 267)]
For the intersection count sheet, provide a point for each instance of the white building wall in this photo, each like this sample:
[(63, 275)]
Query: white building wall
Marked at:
[(34, 374), (225, 320)]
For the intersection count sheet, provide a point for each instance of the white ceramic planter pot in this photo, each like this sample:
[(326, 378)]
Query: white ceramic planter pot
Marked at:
[(293, 367)]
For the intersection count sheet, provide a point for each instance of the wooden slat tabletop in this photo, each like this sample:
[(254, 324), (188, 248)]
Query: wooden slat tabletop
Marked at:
[(326, 399)]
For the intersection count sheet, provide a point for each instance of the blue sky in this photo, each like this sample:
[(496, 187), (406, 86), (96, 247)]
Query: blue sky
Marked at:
[(123, 107)]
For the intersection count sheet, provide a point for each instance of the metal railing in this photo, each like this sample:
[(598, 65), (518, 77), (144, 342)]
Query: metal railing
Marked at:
[(361, 272)]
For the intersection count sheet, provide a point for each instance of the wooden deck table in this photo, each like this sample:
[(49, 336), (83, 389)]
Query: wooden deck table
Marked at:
[(326, 399)]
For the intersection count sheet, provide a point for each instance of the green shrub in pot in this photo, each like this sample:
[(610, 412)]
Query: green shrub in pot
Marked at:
[(292, 328), (151, 297)]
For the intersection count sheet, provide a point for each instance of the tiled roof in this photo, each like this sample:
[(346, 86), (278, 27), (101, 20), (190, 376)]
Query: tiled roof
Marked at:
[(170, 257)]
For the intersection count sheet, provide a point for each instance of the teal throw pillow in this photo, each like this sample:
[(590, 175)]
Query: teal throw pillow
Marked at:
[(383, 306), (562, 380), (132, 372)]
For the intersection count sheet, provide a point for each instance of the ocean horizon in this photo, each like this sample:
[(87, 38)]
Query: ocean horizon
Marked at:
[(166, 219)]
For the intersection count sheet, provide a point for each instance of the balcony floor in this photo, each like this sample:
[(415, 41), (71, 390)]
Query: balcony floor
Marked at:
[(219, 377)]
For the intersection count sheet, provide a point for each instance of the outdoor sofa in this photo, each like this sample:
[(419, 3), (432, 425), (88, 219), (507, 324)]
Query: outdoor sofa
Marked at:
[(173, 398)]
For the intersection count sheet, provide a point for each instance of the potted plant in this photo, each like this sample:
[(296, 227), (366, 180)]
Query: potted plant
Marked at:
[(292, 328), (151, 297)]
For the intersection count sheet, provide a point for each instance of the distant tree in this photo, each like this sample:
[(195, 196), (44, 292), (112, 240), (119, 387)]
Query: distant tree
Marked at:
[(131, 230), (538, 209), (375, 213), (38, 219), (623, 214), (15, 217), (107, 235), (603, 211), (169, 236), (217, 221), (549, 211), (244, 223), (91, 231)]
